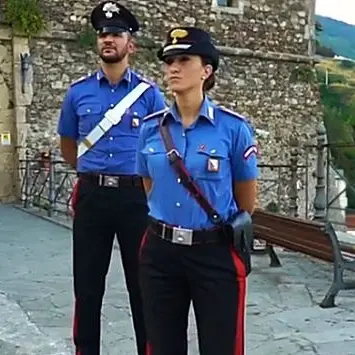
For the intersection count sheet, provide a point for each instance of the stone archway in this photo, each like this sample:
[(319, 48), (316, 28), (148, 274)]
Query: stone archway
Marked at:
[(8, 159), (15, 96)]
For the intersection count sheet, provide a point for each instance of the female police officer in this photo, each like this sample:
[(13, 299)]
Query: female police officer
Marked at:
[(185, 256)]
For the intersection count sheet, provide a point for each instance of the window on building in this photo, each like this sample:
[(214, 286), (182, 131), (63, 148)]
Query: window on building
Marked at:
[(228, 3), (235, 7)]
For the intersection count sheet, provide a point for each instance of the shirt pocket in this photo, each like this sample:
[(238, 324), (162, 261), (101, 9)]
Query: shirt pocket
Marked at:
[(156, 159), (90, 114), (213, 165), (131, 122), (136, 114)]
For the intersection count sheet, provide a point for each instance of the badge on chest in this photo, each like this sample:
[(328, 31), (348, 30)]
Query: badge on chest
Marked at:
[(135, 122), (133, 117), (213, 165)]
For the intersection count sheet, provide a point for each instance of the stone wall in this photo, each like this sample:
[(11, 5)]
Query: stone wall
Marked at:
[(265, 73), (260, 25)]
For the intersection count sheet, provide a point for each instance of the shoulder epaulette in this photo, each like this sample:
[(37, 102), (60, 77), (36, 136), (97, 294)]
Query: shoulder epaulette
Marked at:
[(156, 114), (146, 80), (81, 79), (240, 118), (234, 114)]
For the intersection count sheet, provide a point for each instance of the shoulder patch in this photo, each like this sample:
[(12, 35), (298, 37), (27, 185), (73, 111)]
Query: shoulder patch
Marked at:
[(156, 114), (234, 114), (80, 80)]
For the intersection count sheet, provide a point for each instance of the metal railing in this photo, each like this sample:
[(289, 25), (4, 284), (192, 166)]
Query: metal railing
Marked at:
[(283, 183), (334, 198), (46, 184)]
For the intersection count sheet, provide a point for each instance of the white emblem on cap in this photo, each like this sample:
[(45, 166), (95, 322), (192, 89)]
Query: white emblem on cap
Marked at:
[(109, 8)]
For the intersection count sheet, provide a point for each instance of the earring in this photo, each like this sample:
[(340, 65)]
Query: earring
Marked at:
[(203, 77)]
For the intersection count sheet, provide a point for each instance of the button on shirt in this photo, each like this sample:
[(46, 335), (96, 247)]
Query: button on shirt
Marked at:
[(84, 107), (217, 149)]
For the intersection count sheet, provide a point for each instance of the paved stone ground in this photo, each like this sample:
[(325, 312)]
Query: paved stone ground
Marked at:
[(36, 299)]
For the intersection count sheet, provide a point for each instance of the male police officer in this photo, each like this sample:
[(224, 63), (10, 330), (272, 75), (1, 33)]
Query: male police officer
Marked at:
[(99, 126)]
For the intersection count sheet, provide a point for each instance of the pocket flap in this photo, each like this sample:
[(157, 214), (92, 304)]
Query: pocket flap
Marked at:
[(151, 149), (89, 109), (214, 153)]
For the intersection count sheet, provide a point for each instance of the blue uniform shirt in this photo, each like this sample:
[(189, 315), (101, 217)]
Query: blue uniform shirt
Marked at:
[(217, 149), (84, 106)]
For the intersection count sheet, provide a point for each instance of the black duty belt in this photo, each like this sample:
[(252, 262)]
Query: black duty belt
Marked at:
[(185, 236), (112, 180)]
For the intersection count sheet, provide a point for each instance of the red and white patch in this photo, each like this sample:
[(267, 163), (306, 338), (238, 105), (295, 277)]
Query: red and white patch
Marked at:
[(213, 165), (250, 151), (135, 122), (202, 147)]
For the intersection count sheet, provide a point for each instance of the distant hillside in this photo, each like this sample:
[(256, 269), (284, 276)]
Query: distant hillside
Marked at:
[(337, 35)]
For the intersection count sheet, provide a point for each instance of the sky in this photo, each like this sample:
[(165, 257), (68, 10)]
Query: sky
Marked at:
[(342, 10)]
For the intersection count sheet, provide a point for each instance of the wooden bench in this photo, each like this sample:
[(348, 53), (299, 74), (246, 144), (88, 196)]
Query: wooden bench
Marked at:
[(312, 238)]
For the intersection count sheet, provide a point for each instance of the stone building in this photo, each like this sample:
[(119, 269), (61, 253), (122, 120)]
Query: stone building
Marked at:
[(266, 72)]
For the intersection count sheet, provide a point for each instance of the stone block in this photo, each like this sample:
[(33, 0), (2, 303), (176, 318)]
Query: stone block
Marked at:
[(22, 130), (4, 94), (7, 173), (3, 53), (57, 85), (20, 115), (6, 66), (7, 159), (6, 118), (5, 33)]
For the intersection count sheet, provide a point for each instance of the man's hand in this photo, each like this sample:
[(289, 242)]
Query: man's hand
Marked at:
[(68, 148)]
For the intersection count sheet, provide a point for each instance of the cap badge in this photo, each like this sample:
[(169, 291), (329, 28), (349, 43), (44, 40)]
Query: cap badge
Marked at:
[(178, 34), (109, 8)]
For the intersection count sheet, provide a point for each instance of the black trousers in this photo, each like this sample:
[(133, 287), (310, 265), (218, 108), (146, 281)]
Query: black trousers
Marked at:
[(100, 212), (212, 277)]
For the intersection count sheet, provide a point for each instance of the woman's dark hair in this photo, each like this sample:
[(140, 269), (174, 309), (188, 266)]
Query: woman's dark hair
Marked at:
[(211, 80)]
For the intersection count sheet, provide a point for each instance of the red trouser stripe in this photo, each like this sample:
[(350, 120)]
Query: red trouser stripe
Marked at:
[(143, 242), (241, 281), (75, 326), (74, 197), (149, 349)]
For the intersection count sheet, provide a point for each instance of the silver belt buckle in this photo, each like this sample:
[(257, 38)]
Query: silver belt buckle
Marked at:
[(182, 236), (111, 181)]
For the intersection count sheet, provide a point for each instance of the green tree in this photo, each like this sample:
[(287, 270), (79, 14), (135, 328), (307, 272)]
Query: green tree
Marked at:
[(339, 119)]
